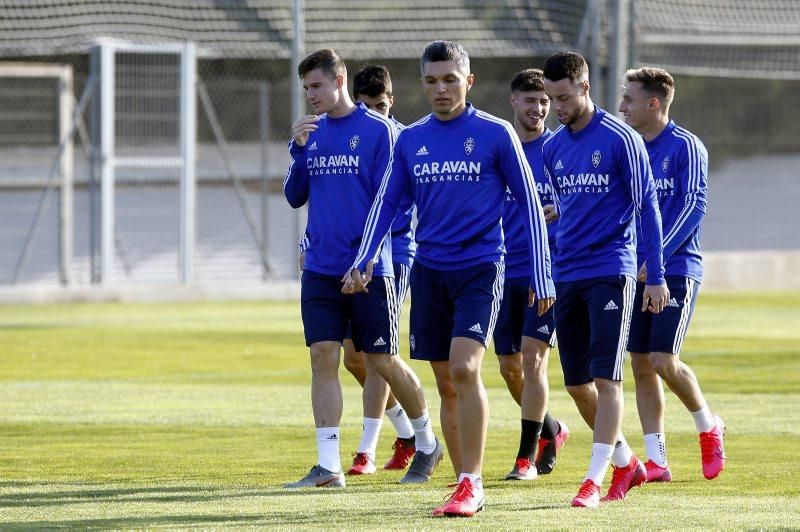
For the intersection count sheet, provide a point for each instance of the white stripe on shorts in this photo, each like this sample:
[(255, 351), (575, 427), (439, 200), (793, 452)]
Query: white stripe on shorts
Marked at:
[(625, 326), (497, 292), (683, 324), (403, 279), (394, 316)]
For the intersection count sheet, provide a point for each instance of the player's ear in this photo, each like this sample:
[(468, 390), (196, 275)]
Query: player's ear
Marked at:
[(339, 81), (470, 81), (653, 104)]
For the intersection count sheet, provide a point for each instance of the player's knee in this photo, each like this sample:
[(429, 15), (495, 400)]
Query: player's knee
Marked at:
[(511, 371), (580, 394), (666, 366), (354, 363), (324, 359), (534, 362), (608, 388), (463, 373), (641, 366)]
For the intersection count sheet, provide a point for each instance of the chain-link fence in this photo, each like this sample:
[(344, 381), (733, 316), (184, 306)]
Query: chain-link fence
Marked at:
[(734, 73)]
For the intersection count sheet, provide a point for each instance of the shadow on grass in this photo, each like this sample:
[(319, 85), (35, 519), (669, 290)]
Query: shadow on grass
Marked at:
[(125, 522), (34, 326), (151, 494)]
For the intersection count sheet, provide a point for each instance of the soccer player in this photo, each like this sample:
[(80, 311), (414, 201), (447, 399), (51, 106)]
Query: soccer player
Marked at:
[(455, 164), (339, 158), (372, 86), (600, 174), (679, 162), (522, 339)]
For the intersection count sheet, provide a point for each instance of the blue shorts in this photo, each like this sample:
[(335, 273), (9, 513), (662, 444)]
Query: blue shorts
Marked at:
[(446, 304), (592, 321), (517, 319), (663, 332), (402, 274), (374, 316)]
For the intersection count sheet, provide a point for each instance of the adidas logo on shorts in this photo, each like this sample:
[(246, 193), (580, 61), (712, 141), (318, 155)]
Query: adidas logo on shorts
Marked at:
[(422, 151), (559, 165), (476, 328), (673, 303), (379, 342), (544, 329), (611, 306)]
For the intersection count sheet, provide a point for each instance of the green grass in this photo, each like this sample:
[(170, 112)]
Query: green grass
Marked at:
[(193, 415)]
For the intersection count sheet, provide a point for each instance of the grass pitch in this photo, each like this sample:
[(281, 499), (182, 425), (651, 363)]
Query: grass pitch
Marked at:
[(193, 415)]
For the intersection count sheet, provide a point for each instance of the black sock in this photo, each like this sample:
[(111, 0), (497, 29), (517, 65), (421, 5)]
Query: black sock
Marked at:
[(550, 427), (529, 439)]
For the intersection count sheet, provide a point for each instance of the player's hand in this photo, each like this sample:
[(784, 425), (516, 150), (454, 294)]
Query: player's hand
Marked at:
[(655, 297), (550, 213), (303, 127), (543, 305), (642, 275), (301, 261), (355, 281)]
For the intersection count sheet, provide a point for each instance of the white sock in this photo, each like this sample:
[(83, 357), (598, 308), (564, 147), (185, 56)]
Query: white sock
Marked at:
[(328, 449), (598, 464), (423, 432), (369, 436), (399, 418), (656, 446), (477, 480), (704, 420), (622, 453)]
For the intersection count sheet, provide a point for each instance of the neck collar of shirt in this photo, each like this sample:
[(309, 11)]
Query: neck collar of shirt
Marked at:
[(661, 136), (538, 140), (590, 127), (359, 110), (469, 112)]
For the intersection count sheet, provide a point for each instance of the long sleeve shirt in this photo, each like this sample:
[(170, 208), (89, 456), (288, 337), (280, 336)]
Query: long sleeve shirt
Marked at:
[(338, 173), (601, 178), (403, 245), (517, 253), (679, 162), (456, 173)]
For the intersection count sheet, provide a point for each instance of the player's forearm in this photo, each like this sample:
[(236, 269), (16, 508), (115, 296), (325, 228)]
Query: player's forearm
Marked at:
[(296, 182), (379, 221), (652, 237), (685, 224)]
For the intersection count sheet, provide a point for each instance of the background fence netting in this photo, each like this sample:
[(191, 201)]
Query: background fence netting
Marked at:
[(736, 63)]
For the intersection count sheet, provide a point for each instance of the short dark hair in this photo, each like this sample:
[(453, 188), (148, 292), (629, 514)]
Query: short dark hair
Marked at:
[(325, 59), (372, 81), (531, 79), (445, 51), (654, 80), (565, 65)]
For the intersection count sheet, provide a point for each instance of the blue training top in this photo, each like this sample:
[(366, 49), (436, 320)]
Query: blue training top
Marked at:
[(403, 245), (338, 172), (679, 161), (601, 176), (517, 254), (456, 172)]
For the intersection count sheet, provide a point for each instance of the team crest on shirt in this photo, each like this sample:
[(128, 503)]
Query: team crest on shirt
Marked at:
[(469, 145), (596, 158), (354, 142), (665, 164)]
